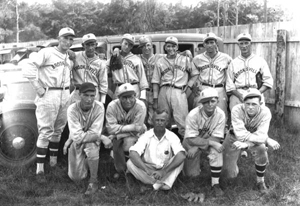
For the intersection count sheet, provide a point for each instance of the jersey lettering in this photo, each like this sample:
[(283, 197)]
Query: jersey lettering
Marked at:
[(58, 64), (244, 70)]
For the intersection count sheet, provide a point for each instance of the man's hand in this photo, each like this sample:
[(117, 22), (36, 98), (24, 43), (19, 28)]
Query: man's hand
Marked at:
[(239, 145), (140, 128), (191, 152), (106, 141), (72, 55), (41, 92), (216, 145), (273, 144), (116, 52), (159, 174), (155, 104)]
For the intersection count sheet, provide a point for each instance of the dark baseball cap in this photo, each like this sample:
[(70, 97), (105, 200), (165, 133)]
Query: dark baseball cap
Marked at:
[(87, 86)]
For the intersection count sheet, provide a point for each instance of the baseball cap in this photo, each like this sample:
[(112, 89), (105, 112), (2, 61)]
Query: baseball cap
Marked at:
[(252, 92), (172, 39), (244, 36), (208, 93), (88, 38), (126, 89), (144, 40), (87, 86), (210, 36), (129, 38), (66, 32)]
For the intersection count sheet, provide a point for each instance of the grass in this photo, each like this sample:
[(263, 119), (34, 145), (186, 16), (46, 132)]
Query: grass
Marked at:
[(18, 186)]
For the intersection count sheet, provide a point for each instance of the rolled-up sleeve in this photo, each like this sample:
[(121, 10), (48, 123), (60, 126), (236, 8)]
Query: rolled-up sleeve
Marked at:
[(31, 67), (176, 145), (103, 78), (141, 144), (230, 86)]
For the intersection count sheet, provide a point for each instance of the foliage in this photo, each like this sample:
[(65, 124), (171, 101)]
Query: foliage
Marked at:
[(40, 21)]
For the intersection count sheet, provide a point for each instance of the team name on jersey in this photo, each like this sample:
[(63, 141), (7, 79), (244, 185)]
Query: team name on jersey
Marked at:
[(236, 75), (171, 69), (203, 131), (210, 66), (129, 64), (126, 121), (92, 70), (59, 64)]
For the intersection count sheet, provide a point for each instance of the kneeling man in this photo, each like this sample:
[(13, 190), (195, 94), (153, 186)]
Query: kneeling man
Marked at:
[(157, 157), (250, 122), (85, 120)]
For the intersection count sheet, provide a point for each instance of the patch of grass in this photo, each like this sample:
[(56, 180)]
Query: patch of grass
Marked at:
[(19, 187)]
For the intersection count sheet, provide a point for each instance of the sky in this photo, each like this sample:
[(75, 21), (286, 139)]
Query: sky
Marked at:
[(290, 5)]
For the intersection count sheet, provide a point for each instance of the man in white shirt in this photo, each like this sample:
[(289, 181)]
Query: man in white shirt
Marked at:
[(157, 157)]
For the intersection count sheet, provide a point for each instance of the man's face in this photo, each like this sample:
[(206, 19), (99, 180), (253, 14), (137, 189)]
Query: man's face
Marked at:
[(245, 47), (210, 46), (160, 121), (171, 48), (65, 42), (252, 106), (127, 101), (147, 48), (126, 46), (210, 105), (90, 48), (87, 100)]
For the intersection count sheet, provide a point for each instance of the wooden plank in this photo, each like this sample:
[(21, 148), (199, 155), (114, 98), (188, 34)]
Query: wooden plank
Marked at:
[(280, 74)]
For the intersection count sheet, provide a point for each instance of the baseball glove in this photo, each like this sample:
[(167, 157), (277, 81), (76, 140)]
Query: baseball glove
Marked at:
[(259, 80), (115, 62)]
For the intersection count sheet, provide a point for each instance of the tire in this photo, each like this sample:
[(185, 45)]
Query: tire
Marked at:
[(19, 123)]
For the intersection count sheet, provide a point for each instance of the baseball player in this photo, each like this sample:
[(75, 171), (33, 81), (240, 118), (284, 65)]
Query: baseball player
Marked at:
[(49, 73), (131, 70), (250, 122), (242, 72), (204, 131), (85, 121), (171, 83), (212, 65), (125, 118), (88, 67), (157, 157)]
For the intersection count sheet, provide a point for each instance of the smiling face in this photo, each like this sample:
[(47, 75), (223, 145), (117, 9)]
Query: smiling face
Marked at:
[(126, 46), (127, 101), (210, 105), (171, 49), (87, 100), (252, 106), (147, 48), (90, 48), (65, 42), (245, 47)]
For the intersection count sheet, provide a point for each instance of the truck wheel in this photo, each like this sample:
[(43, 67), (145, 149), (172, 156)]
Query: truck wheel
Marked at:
[(19, 125)]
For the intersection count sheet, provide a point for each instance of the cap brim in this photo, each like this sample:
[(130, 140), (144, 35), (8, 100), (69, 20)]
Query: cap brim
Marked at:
[(251, 96), (88, 90), (205, 99), (67, 34), (210, 38), (128, 93), (244, 38), (89, 40)]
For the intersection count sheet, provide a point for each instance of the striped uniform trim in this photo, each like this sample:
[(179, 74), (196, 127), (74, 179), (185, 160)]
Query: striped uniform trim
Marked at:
[(53, 148), (41, 155), (260, 170), (215, 171)]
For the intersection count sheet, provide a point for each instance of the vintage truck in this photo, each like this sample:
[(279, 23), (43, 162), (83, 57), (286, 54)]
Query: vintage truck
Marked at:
[(17, 108)]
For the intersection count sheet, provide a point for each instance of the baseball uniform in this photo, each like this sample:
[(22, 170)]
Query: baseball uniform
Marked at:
[(172, 75), (244, 127), (212, 74), (89, 70), (132, 72), (52, 70), (204, 128), (116, 118), (156, 154), (81, 125), (241, 75), (149, 65)]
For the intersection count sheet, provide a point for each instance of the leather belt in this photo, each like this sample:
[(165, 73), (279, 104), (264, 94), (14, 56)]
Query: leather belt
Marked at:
[(213, 85), (247, 87), (119, 84), (77, 86), (170, 85), (57, 88)]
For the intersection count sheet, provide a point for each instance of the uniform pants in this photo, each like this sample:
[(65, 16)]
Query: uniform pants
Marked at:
[(141, 175), (231, 156), (74, 97), (175, 102), (192, 165), (233, 100), (119, 147), (80, 158), (222, 99), (51, 115)]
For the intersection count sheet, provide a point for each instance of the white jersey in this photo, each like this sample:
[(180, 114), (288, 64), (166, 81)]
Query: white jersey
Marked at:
[(212, 70), (51, 67), (91, 70), (242, 73)]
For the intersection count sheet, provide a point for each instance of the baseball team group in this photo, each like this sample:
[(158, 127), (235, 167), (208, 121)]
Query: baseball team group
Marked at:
[(229, 118)]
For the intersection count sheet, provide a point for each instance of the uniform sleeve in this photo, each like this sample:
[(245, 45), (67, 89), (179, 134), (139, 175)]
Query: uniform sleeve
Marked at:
[(193, 69), (230, 86), (218, 131), (103, 78), (112, 124), (176, 145), (142, 75), (156, 74), (266, 75), (141, 144), (242, 134), (34, 63), (191, 127), (140, 115), (76, 132)]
